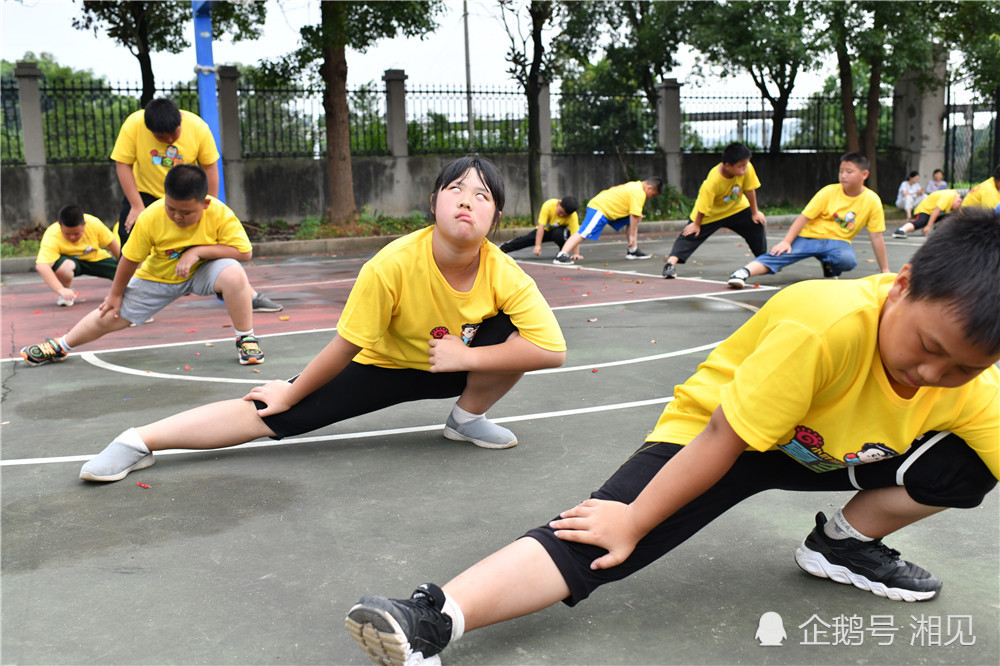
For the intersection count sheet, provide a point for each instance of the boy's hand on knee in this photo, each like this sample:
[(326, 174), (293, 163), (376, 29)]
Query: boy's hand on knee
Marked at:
[(691, 229), (781, 248), (600, 523), (112, 305), (448, 354), (274, 395), (184, 264)]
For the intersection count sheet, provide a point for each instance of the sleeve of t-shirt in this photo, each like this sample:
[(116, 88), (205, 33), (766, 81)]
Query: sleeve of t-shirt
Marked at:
[(532, 316), (368, 310), (139, 241), (706, 198), (48, 250), (817, 205), (876, 214), (104, 235), (208, 153), (750, 180), (125, 144), (231, 231), (773, 387), (637, 199)]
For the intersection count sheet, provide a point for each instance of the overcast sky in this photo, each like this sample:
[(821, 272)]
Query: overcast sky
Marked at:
[(46, 26)]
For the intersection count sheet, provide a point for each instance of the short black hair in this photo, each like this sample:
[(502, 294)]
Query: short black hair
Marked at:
[(958, 264), (71, 216), (912, 174), (857, 159), (937, 171), (488, 173), (161, 116), (569, 205), (735, 152), (186, 181), (656, 182)]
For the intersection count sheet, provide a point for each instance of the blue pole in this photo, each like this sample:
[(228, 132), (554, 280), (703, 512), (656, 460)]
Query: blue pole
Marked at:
[(208, 105)]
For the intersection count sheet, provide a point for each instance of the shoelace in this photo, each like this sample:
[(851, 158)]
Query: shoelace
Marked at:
[(49, 349)]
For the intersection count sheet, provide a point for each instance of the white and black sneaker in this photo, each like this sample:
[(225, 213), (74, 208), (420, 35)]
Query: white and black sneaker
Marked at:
[(632, 255), (563, 259), (899, 233), (738, 279), (402, 632), (669, 271), (867, 565)]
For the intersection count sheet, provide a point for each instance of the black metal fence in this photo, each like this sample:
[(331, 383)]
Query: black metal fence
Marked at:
[(970, 143), (81, 121)]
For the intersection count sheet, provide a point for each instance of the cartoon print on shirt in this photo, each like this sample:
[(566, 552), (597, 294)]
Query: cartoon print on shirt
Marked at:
[(439, 332), (176, 254), (847, 222), (734, 194), (469, 332), (869, 453), (170, 157)]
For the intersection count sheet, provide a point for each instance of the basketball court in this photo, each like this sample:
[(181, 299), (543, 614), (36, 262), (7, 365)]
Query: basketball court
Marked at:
[(253, 555)]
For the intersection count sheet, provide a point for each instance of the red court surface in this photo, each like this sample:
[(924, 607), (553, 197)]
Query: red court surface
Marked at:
[(313, 291)]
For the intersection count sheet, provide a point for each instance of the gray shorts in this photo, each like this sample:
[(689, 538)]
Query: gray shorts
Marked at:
[(144, 298)]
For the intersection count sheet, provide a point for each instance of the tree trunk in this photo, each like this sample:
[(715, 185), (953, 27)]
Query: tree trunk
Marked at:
[(540, 13), (341, 208), (779, 108), (847, 99), (139, 10), (872, 112)]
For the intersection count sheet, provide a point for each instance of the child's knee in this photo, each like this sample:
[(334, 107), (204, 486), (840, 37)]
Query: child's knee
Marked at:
[(948, 474)]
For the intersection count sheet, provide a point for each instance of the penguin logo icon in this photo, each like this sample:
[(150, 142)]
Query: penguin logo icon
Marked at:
[(770, 629)]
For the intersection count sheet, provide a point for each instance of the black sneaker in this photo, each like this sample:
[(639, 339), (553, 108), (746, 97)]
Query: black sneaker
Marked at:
[(505, 247), (632, 255), (562, 258), (899, 233), (867, 565), (738, 279), (828, 269), (394, 631), (669, 271)]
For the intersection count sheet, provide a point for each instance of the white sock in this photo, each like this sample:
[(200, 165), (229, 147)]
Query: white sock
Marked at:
[(452, 610), (240, 334), (838, 528), (131, 439), (462, 417), (63, 344)]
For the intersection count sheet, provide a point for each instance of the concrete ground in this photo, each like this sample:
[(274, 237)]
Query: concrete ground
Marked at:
[(253, 555)]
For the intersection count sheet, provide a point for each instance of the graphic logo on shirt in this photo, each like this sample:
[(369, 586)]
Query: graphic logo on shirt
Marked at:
[(733, 195), (168, 158), (468, 332), (176, 254), (807, 448), (847, 222)]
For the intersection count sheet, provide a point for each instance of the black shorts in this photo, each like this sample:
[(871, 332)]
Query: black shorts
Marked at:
[(360, 389), (742, 223), (939, 469), (104, 268), (123, 234)]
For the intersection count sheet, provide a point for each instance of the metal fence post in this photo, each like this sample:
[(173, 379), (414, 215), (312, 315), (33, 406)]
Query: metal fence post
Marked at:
[(28, 74), (395, 112)]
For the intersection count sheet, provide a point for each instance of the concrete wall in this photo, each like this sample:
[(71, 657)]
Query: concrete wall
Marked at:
[(290, 189)]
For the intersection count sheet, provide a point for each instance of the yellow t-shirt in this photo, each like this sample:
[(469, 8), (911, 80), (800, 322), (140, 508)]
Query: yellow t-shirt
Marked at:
[(809, 381), (547, 217), (158, 243), (832, 214), (943, 199), (620, 201), (96, 237), (719, 197), (152, 159), (983, 195), (401, 300)]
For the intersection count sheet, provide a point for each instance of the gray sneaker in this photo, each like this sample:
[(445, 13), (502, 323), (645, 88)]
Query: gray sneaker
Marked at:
[(114, 463), (481, 432), (264, 304), (563, 259)]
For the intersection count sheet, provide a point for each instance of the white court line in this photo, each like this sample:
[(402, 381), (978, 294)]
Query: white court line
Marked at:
[(355, 435)]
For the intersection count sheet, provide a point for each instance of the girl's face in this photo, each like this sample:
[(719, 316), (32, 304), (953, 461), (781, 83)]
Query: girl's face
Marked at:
[(464, 209)]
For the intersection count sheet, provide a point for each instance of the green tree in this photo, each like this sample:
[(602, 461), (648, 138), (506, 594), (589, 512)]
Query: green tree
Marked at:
[(890, 39), (771, 41), (145, 27), (343, 25)]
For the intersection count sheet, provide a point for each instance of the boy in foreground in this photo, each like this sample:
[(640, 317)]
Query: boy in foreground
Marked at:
[(557, 221), (75, 245), (889, 389), (826, 227), (187, 242), (727, 199), (617, 206)]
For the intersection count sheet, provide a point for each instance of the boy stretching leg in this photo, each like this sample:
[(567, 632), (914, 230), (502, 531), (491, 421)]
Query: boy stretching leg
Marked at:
[(889, 389)]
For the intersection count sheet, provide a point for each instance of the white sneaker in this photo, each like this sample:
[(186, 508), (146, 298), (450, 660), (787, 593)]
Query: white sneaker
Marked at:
[(115, 462), (65, 302), (481, 432)]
